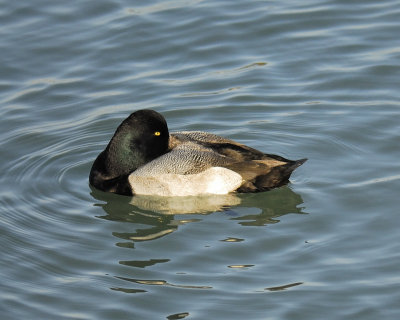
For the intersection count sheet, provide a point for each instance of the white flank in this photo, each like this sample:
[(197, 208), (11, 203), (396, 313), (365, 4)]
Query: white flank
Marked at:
[(214, 180)]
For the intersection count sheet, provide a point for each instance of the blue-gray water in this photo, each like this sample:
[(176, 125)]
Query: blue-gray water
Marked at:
[(315, 79)]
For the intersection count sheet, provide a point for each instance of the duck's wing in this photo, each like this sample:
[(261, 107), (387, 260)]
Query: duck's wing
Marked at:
[(260, 171), (231, 149)]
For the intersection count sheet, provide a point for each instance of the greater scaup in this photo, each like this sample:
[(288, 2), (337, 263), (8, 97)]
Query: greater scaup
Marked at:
[(144, 158)]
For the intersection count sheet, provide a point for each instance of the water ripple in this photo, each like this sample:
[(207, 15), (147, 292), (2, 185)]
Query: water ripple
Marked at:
[(301, 79)]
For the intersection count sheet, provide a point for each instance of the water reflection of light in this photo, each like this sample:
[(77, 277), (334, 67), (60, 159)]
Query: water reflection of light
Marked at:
[(186, 205)]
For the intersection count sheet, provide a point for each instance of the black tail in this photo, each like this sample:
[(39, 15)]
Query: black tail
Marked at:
[(297, 163), (287, 169)]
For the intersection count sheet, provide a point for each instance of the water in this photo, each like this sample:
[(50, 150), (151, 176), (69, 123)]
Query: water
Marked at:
[(315, 79)]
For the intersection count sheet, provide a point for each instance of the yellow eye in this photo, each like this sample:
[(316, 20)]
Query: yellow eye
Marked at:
[(157, 133)]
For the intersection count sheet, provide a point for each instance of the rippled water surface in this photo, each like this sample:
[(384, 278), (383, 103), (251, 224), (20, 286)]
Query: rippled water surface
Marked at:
[(315, 79)]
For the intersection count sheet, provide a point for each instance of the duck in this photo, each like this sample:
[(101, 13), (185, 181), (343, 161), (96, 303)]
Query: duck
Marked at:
[(144, 158)]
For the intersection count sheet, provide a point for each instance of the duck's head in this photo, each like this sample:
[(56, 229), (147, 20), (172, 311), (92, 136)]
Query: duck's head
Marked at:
[(140, 138)]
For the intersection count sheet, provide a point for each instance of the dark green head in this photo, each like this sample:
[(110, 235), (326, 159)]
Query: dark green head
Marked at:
[(140, 138)]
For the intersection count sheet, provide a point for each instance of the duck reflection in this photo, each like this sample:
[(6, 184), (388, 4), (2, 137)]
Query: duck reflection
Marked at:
[(262, 209), (163, 215), (151, 218), (186, 205)]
